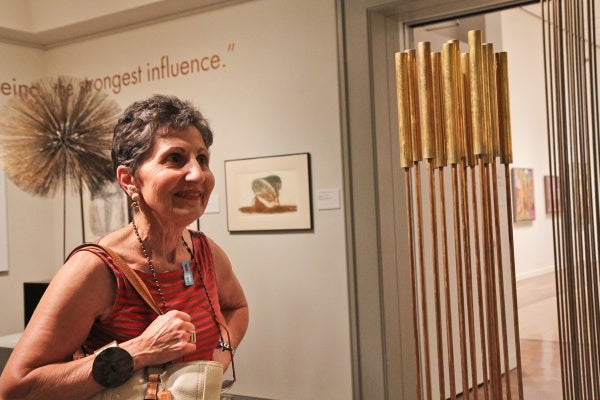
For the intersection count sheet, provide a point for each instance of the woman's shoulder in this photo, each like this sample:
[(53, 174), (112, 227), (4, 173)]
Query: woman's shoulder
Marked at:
[(198, 237)]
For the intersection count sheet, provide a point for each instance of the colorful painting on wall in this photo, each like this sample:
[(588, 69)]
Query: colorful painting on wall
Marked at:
[(523, 194)]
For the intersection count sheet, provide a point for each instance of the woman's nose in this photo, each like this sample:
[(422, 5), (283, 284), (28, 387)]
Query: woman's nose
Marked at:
[(195, 171)]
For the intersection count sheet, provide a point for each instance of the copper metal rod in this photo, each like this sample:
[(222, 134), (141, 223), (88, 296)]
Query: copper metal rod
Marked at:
[(451, 116), (485, 160), (424, 312), (406, 161), (497, 280), (436, 279), (413, 280), (426, 104), (500, 277), (465, 141), (440, 162), (459, 282), (480, 288), (489, 282), (505, 143), (513, 281), (479, 83), (471, 163), (448, 301), (417, 153), (466, 233)]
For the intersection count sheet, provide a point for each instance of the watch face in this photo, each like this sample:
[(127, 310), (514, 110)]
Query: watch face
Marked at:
[(112, 367)]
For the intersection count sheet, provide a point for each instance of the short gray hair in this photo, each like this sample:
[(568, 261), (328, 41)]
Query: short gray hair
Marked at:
[(147, 119)]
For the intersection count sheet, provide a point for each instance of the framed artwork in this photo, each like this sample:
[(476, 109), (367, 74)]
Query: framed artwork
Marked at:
[(523, 194), (105, 211), (269, 193), (551, 191)]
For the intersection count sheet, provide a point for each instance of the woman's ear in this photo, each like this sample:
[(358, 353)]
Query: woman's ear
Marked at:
[(126, 179)]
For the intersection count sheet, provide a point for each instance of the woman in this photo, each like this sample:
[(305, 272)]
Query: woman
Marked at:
[(161, 160)]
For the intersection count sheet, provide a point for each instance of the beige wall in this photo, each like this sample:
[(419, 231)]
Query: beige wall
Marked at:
[(33, 231)]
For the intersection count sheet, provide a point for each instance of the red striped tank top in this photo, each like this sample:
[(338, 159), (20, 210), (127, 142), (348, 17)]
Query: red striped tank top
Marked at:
[(130, 315)]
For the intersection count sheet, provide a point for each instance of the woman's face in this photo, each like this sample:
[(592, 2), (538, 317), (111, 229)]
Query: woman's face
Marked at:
[(174, 179)]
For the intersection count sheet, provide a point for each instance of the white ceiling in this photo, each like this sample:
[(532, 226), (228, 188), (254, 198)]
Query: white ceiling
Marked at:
[(49, 23)]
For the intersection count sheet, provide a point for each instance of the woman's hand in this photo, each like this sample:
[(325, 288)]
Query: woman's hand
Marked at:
[(166, 339)]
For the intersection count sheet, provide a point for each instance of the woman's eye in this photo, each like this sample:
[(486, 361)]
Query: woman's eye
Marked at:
[(202, 159), (174, 158)]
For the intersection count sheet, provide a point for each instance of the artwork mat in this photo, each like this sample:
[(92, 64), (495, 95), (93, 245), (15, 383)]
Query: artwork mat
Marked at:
[(523, 193), (294, 170)]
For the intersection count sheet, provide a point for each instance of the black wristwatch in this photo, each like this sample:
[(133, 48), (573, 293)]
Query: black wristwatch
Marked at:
[(113, 366)]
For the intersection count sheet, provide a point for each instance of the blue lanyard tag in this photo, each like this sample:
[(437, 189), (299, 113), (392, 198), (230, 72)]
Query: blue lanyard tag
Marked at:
[(188, 278)]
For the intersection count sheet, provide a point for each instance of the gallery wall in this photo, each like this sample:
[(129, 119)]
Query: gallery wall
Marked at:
[(270, 88), (522, 39), (33, 233)]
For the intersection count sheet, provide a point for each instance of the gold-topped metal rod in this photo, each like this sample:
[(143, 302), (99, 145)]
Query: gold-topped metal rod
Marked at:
[(476, 90), (426, 100), (461, 148), (407, 162), (451, 115), (468, 120), (493, 100), (439, 147), (487, 106), (504, 130), (403, 96), (415, 117)]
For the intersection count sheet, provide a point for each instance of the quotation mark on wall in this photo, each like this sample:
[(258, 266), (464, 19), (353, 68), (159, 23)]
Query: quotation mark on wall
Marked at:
[(230, 47)]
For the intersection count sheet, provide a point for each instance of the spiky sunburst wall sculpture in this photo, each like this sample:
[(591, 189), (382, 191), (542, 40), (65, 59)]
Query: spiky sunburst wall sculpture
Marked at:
[(58, 135)]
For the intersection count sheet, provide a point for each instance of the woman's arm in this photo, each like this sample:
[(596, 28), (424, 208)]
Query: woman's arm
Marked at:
[(40, 366), (234, 306), (83, 290)]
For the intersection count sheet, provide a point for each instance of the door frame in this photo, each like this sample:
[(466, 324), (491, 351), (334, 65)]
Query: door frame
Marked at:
[(370, 32)]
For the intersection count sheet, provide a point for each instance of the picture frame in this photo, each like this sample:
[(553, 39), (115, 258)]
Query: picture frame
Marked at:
[(523, 194), (271, 193), (551, 191)]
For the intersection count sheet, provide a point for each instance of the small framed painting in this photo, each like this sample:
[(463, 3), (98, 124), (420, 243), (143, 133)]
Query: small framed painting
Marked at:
[(269, 193), (523, 194)]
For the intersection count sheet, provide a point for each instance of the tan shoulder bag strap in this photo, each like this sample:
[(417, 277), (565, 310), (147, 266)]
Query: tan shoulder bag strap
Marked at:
[(135, 281)]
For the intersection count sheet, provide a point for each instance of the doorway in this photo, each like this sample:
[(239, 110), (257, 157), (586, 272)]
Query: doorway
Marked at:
[(374, 31), (517, 31)]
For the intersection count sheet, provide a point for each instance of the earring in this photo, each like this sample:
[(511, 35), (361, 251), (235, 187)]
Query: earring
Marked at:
[(135, 203)]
